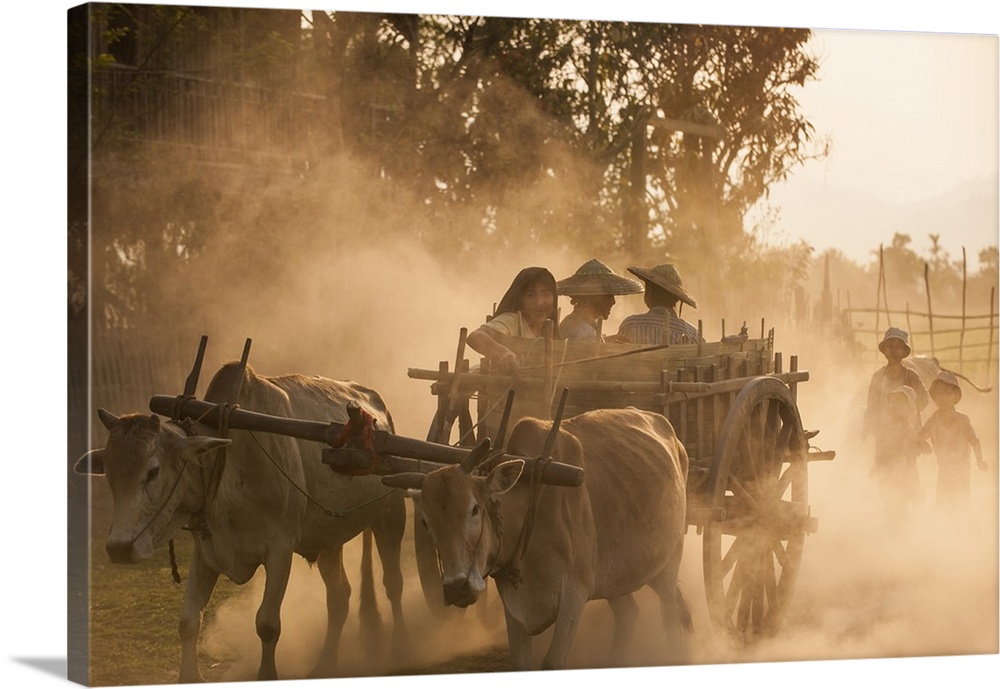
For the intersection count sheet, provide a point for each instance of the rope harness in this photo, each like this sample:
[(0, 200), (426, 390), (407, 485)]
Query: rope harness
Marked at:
[(509, 572)]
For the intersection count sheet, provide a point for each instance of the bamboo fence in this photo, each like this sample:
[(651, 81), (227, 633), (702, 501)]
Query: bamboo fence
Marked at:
[(964, 341)]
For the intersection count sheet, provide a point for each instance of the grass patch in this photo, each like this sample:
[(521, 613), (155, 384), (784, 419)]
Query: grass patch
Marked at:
[(134, 610)]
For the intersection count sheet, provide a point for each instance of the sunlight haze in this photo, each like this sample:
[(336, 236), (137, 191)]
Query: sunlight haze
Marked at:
[(912, 119)]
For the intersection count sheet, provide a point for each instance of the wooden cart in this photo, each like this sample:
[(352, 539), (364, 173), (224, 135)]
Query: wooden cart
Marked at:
[(732, 404)]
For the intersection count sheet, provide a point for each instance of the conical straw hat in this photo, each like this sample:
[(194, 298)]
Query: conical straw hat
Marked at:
[(667, 277), (595, 278)]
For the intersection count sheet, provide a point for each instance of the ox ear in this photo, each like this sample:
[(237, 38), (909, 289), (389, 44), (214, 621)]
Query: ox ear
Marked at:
[(91, 464), (199, 444), (107, 418), (413, 480), (504, 476), (476, 456)]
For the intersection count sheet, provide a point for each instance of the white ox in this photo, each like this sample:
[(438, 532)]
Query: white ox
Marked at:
[(622, 530), (253, 504)]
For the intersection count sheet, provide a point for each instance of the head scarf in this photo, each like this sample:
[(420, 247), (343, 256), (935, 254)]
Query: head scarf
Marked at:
[(511, 301)]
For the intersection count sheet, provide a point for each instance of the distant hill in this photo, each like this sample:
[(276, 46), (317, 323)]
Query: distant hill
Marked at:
[(855, 222)]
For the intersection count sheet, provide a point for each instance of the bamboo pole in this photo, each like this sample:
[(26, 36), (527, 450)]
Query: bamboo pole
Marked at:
[(885, 298), (909, 327), (989, 349), (930, 311), (472, 381), (878, 296), (961, 337), (850, 316)]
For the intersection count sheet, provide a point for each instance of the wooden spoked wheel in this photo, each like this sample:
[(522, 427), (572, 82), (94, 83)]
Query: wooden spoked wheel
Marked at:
[(759, 480)]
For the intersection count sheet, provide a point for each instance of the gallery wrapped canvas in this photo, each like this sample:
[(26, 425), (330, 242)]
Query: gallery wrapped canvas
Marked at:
[(409, 344)]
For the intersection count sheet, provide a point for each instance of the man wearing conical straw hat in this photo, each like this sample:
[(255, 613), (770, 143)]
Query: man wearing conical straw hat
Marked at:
[(592, 290), (663, 290)]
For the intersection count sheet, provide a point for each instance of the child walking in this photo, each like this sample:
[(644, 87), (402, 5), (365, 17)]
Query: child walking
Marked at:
[(951, 435), (895, 399), (898, 475), (894, 347)]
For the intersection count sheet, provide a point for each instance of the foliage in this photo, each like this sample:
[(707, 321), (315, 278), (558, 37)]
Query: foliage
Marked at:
[(486, 110), (488, 135)]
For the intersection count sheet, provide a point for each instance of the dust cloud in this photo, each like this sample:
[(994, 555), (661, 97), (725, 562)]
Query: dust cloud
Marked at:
[(335, 297), (867, 588)]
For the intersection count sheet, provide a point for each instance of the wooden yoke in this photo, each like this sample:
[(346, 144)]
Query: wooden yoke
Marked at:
[(397, 453)]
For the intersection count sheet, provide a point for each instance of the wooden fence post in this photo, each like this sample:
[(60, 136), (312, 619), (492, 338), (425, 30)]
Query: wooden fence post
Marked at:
[(909, 328), (878, 292), (961, 336), (930, 311), (885, 297), (989, 347)]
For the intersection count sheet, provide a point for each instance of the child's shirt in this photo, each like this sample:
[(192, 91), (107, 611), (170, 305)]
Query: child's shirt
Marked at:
[(880, 387), (951, 434)]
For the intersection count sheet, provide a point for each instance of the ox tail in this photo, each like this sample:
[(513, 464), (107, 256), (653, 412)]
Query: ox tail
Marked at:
[(371, 620), (683, 611)]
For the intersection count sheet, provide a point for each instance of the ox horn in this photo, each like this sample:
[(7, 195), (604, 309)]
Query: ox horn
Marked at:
[(475, 456), (407, 479), (107, 418)]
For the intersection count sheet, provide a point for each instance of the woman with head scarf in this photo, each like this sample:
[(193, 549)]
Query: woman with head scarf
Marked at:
[(529, 302)]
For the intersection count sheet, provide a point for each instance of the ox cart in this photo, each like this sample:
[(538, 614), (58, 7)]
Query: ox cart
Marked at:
[(731, 402), (733, 406)]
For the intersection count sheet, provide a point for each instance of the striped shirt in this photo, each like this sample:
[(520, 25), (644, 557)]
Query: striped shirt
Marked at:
[(647, 328)]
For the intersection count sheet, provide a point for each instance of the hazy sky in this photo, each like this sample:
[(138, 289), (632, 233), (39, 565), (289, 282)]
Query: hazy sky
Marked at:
[(911, 115)]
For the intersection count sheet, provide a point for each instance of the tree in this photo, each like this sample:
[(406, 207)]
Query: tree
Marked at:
[(989, 263), (503, 132), (497, 108)]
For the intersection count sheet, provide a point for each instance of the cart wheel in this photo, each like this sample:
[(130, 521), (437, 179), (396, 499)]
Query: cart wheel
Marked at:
[(758, 477)]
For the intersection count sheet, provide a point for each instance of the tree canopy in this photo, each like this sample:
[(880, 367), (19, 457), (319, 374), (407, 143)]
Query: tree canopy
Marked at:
[(473, 110), (224, 134)]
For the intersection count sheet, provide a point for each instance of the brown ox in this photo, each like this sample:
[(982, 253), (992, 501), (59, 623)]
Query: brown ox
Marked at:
[(623, 530), (252, 504)]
